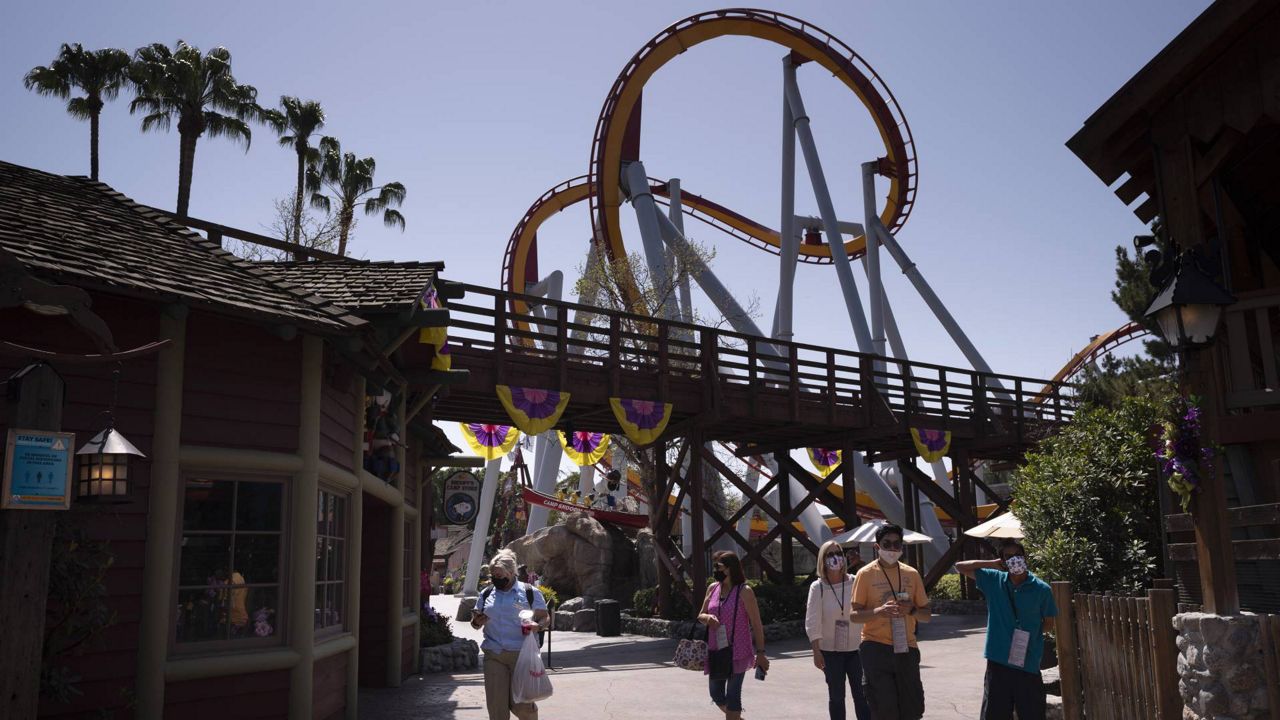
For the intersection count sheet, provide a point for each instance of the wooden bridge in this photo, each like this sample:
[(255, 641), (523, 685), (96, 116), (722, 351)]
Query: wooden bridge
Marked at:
[(756, 394)]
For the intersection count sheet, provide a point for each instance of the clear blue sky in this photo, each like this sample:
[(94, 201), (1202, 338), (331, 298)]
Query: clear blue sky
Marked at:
[(479, 107)]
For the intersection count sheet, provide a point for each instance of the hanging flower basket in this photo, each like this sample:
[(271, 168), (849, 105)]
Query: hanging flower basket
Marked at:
[(1186, 460)]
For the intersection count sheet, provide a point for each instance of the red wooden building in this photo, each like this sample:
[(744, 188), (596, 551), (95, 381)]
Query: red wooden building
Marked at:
[(260, 570)]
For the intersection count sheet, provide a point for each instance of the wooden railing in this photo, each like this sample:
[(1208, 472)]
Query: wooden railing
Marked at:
[(1255, 547), (1253, 351), (798, 374), (1117, 655)]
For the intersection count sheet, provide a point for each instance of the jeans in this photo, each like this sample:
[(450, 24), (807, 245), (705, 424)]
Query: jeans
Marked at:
[(1006, 689), (728, 691), (841, 668), (892, 682)]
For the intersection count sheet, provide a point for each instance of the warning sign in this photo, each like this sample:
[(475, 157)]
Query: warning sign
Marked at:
[(37, 470)]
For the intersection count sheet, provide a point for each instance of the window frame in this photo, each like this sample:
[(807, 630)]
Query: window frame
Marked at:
[(410, 581), (345, 557), (227, 646)]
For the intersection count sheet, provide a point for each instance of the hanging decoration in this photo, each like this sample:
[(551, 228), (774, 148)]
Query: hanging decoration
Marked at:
[(642, 420), (443, 359), (433, 336), (533, 410), (825, 460), (932, 445), (1185, 460), (490, 441), (584, 448)]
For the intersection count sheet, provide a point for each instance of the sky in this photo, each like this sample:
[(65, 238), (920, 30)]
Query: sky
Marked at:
[(480, 107)]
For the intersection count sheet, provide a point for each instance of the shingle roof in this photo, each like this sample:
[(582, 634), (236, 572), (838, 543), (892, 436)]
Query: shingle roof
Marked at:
[(362, 286), (75, 230)]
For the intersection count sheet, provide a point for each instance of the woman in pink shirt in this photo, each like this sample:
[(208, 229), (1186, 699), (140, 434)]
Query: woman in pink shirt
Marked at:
[(732, 618)]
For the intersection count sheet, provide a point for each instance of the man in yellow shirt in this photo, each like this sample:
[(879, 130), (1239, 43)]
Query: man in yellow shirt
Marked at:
[(889, 600)]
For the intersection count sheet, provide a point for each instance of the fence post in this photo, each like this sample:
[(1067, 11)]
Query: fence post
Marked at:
[(1068, 653), (1162, 604)]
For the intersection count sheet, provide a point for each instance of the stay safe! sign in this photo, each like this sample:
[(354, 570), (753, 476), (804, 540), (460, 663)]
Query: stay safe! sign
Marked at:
[(37, 470)]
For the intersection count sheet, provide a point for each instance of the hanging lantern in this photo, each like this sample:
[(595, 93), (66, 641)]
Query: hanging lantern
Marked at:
[(103, 474)]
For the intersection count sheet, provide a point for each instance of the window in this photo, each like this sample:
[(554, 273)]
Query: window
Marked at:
[(410, 579), (231, 554), (331, 560)]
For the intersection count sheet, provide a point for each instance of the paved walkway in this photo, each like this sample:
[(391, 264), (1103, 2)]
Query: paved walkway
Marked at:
[(631, 677)]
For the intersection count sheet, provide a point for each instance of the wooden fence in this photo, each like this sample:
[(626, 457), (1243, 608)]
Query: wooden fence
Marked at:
[(1116, 655)]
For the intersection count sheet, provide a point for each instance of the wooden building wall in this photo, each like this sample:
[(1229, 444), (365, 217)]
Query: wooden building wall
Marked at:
[(241, 386), (251, 696), (329, 689), (337, 413), (107, 666), (375, 552), (407, 651)]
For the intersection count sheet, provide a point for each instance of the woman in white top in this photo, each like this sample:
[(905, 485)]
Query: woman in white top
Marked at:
[(835, 638)]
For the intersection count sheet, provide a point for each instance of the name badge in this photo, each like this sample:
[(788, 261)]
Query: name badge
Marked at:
[(842, 635), (1018, 647), (899, 626)]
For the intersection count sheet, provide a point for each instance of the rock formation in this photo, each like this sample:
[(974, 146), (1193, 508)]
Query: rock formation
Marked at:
[(582, 557)]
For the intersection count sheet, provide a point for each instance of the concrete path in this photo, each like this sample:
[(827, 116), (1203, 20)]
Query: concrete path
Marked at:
[(631, 677)]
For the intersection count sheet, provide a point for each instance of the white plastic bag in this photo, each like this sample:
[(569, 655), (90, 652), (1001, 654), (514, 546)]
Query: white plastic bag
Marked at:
[(529, 681)]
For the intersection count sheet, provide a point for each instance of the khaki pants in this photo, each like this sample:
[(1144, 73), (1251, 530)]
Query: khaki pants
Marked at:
[(497, 688)]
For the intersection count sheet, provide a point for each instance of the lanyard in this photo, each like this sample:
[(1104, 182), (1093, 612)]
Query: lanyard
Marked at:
[(890, 584), (1009, 591), (720, 606), (839, 595)]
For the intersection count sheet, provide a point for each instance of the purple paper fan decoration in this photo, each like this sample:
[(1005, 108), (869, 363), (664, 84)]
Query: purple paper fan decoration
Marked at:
[(490, 435), (644, 414), (535, 402), (935, 440), (585, 442), (825, 456)]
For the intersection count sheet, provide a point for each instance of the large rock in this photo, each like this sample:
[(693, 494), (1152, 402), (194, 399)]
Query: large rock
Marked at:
[(647, 559), (584, 621), (461, 654), (582, 557)]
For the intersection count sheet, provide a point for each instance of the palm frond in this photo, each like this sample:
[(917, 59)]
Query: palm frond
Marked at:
[(219, 125), (48, 80), (320, 202), (393, 218), (83, 108), (156, 121)]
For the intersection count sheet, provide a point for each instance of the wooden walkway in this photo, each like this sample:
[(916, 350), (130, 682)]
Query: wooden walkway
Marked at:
[(761, 394)]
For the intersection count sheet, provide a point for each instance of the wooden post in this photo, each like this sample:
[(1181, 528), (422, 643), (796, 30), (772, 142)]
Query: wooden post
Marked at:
[(1162, 605), (1068, 653), (27, 537), (697, 546), (1214, 554), (784, 504)]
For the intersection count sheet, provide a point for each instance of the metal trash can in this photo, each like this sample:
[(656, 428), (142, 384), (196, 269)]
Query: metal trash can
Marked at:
[(608, 618)]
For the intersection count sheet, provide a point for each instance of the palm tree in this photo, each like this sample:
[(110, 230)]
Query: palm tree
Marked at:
[(200, 92), (98, 73), (350, 181), (295, 122)]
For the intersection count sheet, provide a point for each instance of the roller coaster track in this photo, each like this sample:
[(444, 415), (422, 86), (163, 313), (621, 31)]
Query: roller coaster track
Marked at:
[(617, 132)]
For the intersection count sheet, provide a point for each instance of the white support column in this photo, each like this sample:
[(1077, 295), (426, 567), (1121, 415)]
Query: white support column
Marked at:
[(935, 304), (164, 502), (587, 480), (476, 558), (844, 273), (647, 216), (676, 214), (789, 240), (304, 495), (873, 257), (355, 543)]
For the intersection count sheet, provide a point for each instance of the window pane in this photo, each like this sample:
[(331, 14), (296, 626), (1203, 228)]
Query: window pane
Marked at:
[(263, 613), (337, 564), (322, 505), (320, 607), (201, 615), (203, 556), (321, 558), (339, 517), (258, 506), (336, 602), (207, 505), (257, 558)]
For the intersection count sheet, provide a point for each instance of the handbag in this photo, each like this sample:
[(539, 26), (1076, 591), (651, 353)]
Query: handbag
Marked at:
[(720, 660), (691, 654)]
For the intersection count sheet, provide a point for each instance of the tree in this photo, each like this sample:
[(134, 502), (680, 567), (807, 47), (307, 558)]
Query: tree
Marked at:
[(199, 92), (98, 73), (296, 121), (1088, 499), (350, 181), (317, 232)]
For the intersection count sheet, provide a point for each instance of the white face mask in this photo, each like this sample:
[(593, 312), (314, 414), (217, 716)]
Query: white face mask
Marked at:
[(890, 556), (835, 562), (1017, 565)]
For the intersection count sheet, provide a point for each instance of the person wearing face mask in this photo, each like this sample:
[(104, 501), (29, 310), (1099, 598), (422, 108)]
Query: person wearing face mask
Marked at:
[(1020, 609), (833, 634), (889, 600), (498, 611), (732, 617)]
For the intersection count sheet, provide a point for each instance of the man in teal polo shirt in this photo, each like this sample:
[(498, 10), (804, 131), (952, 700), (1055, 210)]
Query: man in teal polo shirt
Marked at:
[(1020, 609)]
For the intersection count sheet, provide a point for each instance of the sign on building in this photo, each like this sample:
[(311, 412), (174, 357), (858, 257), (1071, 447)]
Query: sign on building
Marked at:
[(37, 470), (461, 498)]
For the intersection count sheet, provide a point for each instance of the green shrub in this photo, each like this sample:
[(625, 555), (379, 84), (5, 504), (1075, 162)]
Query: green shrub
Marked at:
[(948, 588), (436, 629), (644, 600), (551, 596), (1087, 499), (780, 603)]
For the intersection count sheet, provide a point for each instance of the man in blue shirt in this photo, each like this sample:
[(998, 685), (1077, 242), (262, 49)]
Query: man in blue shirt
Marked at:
[(1020, 609)]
